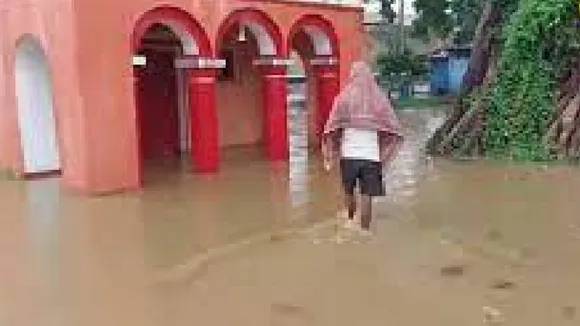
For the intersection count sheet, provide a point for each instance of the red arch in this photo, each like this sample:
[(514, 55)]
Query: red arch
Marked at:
[(253, 15), (173, 14), (319, 22)]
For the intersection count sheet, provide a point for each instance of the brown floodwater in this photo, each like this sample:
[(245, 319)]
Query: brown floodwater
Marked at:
[(457, 243)]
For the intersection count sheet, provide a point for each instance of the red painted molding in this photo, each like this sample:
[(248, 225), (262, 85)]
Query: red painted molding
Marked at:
[(174, 14), (255, 15), (319, 22)]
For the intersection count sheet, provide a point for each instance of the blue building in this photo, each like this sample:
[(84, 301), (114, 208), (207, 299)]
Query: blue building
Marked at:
[(447, 68)]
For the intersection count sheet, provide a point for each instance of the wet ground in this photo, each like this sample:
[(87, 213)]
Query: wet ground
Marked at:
[(457, 244)]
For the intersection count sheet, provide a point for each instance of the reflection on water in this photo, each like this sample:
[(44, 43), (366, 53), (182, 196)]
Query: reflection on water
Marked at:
[(239, 248), (298, 167), (411, 163)]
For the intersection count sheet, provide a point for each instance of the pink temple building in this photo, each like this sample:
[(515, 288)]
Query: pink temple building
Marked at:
[(93, 88)]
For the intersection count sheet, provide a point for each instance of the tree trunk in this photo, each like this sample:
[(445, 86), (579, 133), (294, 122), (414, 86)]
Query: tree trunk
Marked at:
[(564, 129), (463, 129), (483, 56)]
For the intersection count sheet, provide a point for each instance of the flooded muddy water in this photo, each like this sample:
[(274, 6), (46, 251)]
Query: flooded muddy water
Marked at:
[(457, 243)]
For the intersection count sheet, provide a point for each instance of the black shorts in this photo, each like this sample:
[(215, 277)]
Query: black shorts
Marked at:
[(369, 174)]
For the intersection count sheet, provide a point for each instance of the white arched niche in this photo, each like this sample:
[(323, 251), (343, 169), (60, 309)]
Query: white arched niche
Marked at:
[(320, 40), (34, 100)]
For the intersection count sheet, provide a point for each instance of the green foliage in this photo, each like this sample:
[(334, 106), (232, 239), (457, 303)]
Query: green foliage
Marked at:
[(414, 103), (386, 9), (539, 41), (508, 6), (473, 101), (407, 63), (465, 17), (444, 18), (433, 19)]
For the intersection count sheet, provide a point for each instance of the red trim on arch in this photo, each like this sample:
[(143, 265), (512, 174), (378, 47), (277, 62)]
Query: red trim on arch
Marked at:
[(174, 14), (319, 22), (252, 15)]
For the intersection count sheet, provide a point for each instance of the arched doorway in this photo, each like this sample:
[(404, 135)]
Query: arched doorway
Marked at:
[(252, 89), (314, 41), (168, 46), (36, 116), (160, 97)]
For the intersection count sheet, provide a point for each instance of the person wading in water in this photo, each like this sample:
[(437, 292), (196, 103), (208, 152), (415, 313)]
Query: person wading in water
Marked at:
[(364, 132)]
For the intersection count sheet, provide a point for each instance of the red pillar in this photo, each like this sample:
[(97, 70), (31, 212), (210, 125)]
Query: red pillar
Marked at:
[(137, 73), (203, 120), (327, 88), (274, 97)]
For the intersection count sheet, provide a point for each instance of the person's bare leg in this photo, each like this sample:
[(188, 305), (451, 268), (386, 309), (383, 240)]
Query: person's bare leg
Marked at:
[(350, 202), (366, 212)]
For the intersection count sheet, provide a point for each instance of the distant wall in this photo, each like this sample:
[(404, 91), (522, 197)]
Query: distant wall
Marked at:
[(239, 102), (457, 69), (446, 74)]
